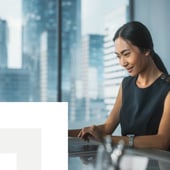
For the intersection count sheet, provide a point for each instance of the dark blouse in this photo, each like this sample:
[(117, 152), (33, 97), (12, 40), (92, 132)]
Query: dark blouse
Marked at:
[(142, 108)]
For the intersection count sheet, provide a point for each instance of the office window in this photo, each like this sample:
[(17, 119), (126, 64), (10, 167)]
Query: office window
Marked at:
[(28, 50), (91, 74), (29, 54)]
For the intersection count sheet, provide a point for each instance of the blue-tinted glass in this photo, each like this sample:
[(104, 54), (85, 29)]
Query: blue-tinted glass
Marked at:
[(90, 72), (28, 48)]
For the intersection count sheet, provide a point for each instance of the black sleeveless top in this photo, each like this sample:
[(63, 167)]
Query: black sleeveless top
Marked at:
[(142, 108)]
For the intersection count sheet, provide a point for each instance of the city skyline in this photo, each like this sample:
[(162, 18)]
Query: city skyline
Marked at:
[(13, 17), (82, 70)]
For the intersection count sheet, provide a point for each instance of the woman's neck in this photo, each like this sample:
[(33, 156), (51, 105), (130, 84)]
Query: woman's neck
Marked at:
[(147, 77)]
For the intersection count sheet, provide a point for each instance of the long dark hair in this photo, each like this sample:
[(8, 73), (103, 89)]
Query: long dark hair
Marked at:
[(139, 35)]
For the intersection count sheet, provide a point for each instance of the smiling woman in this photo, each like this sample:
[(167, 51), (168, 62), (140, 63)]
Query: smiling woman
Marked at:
[(142, 104), (130, 56)]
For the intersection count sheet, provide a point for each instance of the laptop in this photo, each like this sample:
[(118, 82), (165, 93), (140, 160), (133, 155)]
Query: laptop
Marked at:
[(79, 146)]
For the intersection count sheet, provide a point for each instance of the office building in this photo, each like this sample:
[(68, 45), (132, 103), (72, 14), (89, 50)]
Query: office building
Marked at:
[(43, 69), (113, 72), (71, 43), (3, 43), (39, 17), (51, 28), (92, 76), (15, 85), (32, 12)]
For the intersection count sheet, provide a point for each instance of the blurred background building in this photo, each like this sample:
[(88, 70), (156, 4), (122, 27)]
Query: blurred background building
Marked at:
[(3, 43)]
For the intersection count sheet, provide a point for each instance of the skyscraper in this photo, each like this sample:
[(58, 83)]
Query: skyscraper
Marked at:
[(32, 15), (92, 76), (51, 29), (14, 85), (71, 43), (39, 18), (113, 72), (3, 43)]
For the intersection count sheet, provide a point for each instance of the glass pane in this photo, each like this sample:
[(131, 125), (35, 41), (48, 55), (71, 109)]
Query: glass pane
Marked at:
[(28, 48), (91, 73)]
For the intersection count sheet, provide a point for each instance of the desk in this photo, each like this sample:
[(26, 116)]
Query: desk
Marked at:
[(157, 159)]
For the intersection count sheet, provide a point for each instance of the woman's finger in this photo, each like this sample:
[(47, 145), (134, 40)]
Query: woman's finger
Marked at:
[(80, 134)]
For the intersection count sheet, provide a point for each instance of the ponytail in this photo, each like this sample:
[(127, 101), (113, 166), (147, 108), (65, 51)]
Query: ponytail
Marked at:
[(157, 60)]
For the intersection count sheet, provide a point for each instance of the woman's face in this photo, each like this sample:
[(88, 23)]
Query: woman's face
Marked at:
[(130, 56)]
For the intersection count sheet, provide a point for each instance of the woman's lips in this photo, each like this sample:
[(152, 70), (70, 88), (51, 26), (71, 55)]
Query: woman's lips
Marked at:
[(130, 69)]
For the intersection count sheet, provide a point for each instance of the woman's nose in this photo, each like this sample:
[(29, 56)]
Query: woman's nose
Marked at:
[(123, 62)]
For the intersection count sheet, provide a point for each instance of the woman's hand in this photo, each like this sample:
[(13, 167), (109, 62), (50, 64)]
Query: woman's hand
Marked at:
[(93, 132)]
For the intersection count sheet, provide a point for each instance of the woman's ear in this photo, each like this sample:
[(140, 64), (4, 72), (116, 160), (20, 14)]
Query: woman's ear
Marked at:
[(147, 52)]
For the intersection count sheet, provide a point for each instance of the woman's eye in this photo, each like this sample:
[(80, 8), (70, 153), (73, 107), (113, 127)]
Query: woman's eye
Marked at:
[(126, 54)]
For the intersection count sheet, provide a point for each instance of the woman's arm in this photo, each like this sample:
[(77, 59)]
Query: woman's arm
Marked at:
[(113, 119), (99, 131), (73, 132)]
